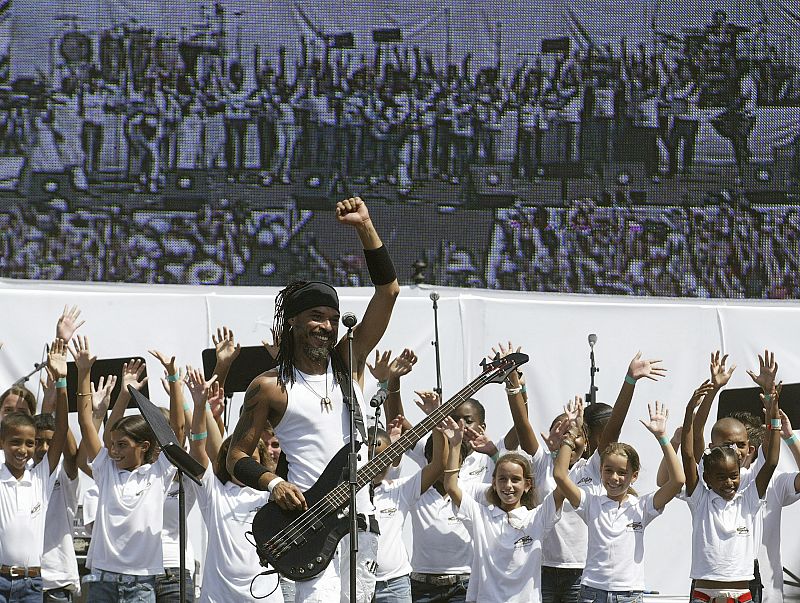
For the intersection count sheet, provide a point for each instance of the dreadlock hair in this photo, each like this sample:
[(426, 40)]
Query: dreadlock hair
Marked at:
[(528, 499), (286, 349), (752, 424)]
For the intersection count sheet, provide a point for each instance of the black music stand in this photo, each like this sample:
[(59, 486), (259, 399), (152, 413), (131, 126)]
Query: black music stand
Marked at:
[(249, 364), (101, 368), (183, 462), (747, 398)]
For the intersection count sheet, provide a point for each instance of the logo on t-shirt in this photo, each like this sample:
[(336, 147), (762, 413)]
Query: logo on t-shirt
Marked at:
[(584, 481), (742, 531), (453, 520), (523, 543), (36, 508), (388, 512), (477, 471), (635, 526)]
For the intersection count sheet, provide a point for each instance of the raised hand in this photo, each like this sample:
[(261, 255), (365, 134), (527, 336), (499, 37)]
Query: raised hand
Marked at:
[(454, 432), (216, 398), (165, 384), (352, 212), (167, 363), (395, 428), (68, 323), (574, 412), (786, 425), (225, 345), (101, 395), (380, 370), (553, 439), (274, 347), (480, 441), (698, 394), (719, 375), (197, 384), (81, 354), (650, 369), (428, 401), (48, 392), (771, 400), (132, 374), (657, 425), (767, 369), (57, 359), (502, 351), (402, 364)]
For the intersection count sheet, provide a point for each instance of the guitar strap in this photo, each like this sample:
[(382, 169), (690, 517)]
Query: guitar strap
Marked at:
[(359, 418)]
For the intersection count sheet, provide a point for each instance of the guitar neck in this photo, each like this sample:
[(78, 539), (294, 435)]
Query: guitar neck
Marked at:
[(407, 441)]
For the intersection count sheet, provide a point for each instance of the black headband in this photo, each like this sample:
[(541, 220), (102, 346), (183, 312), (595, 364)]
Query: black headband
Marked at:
[(310, 295)]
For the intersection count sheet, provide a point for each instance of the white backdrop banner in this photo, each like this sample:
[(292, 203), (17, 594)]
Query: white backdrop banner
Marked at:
[(128, 320)]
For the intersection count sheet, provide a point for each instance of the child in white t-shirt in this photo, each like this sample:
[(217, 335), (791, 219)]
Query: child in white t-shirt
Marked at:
[(25, 491), (617, 518), (507, 534), (125, 550), (228, 508), (723, 513)]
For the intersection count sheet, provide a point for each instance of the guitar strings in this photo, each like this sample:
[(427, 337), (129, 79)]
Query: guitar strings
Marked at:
[(337, 495)]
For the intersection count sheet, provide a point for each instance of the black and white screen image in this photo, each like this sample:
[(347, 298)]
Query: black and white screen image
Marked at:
[(647, 147)]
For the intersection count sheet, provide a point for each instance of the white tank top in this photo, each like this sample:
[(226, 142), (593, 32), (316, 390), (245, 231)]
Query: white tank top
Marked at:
[(311, 433)]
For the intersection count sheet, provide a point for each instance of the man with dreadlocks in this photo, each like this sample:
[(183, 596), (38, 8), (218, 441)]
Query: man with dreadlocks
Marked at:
[(302, 398)]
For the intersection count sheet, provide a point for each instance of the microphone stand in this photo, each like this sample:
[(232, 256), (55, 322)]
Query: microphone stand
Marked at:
[(435, 343), (38, 366), (591, 397), (353, 467)]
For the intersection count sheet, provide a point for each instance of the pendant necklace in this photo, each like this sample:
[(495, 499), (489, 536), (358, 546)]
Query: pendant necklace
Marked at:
[(325, 402)]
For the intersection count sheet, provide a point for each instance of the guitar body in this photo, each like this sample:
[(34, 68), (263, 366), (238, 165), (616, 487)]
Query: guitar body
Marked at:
[(311, 552)]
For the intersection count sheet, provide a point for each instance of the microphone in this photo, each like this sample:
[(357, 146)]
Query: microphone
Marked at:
[(592, 339), (379, 398), (434, 296), (349, 320)]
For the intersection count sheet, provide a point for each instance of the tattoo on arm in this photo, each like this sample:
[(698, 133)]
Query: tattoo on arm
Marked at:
[(242, 426), (252, 392)]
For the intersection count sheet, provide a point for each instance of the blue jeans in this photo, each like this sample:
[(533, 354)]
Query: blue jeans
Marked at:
[(429, 593), (141, 591), (396, 590), (168, 586), (561, 584), (596, 595), (58, 595), (20, 590)]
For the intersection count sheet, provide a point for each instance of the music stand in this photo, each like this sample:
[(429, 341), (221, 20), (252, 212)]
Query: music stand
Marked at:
[(249, 364), (747, 399), (101, 368), (183, 462)]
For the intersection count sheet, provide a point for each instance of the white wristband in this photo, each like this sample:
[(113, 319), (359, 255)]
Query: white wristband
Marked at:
[(274, 483)]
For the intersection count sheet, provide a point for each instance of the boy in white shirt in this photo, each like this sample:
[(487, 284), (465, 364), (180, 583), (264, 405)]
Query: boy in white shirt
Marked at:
[(24, 492)]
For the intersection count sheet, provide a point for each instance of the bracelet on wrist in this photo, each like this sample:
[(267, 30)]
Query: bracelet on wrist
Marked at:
[(663, 440), (791, 439), (186, 406), (174, 378), (393, 391), (274, 483), (775, 424), (629, 380), (84, 394), (383, 384), (61, 382), (452, 470), (513, 391), (196, 437)]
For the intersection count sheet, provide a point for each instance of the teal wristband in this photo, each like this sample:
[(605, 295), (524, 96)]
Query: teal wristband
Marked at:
[(186, 406), (384, 385), (496, 456), (629, 379), (61, 383), (768, 397), (195, 437), (174, 378), (663, 440), (775, 423), (791, 439), (524, 390)]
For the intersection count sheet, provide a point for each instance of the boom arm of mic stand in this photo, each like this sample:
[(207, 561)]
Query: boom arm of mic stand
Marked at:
[(36, 368)]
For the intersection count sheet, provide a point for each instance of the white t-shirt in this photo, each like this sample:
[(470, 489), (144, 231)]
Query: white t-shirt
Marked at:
[(723, 539), (565, 545), (126, 536), (59, 565), (507, 549), (477, 467), (780, 493), (23, 506), (170, 533), (393, 500), (441, 542), (615, 553), (231, 560)]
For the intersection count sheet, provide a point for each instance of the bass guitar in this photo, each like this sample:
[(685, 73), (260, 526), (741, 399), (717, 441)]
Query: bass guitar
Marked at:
[(300, 544)]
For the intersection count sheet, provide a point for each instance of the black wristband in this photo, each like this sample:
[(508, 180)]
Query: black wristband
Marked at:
[(380, 266), (249, 471)]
